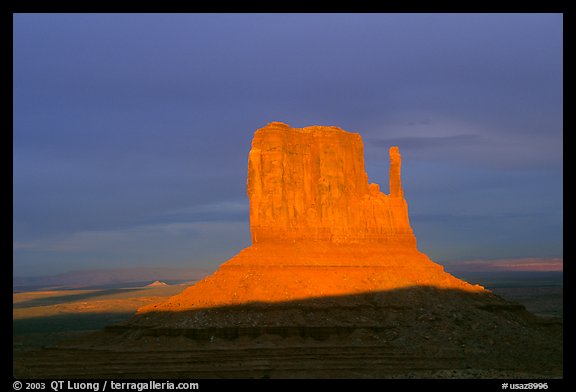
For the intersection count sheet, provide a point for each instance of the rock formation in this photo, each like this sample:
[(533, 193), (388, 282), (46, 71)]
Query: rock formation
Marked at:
[(157, 283), (333, 286), (318, 227), (310, 184)]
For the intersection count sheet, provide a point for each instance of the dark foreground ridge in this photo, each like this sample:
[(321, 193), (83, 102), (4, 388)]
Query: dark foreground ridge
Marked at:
[(417, 332)]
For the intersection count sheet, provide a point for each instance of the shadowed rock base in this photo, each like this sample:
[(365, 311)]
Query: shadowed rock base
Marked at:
[(416, 332)]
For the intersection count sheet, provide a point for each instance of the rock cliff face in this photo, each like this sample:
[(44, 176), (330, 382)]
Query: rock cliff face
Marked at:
[(310, 184), (318, 227)]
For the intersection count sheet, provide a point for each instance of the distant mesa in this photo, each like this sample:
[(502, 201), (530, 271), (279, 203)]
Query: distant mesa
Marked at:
[(157, 283), (318, 227), (108, 278)]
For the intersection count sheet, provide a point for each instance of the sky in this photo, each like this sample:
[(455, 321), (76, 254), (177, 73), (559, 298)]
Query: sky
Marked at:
[(132, 131)]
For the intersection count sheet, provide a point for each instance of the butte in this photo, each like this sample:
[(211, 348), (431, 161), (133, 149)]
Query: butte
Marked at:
[(319, 230)]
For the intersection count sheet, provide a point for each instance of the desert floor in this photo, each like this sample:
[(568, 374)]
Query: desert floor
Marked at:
[(43, 320)]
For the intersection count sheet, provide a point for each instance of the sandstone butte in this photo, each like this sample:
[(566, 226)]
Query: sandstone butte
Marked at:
[(319, 229)]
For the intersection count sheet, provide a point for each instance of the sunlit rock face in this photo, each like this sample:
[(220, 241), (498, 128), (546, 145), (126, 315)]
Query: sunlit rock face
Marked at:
[(318, 227), (310, 184)]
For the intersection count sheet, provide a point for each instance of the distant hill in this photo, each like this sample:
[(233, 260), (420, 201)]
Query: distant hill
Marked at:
[(157, 283), (109, 278)]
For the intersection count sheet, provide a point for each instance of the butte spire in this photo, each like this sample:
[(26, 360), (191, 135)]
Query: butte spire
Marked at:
[(318, 227)]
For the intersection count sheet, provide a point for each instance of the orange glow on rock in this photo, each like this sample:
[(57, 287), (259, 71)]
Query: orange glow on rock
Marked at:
[(310, 184), (318, 227)]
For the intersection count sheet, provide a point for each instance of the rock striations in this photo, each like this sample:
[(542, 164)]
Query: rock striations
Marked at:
[(310, 184), (319, 229)]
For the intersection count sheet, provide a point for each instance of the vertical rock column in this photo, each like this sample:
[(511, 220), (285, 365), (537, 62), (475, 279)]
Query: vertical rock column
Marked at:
[(395, 167)]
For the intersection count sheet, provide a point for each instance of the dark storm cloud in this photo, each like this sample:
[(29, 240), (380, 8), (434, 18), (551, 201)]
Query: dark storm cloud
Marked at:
[(127, 123)]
